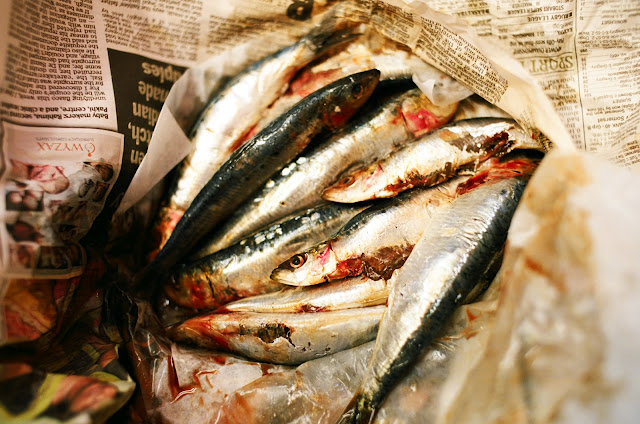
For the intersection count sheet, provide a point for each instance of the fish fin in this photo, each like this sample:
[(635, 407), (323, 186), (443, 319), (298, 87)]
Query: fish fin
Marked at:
[(147, 276), (359, 411), (327, 33)]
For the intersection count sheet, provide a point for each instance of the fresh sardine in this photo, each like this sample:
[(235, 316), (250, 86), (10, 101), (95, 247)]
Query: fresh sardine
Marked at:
[(394, 65), (282, 338), (299, 185), (432, 159), (454, 252), (232, 112), (243, 269), (355, 292), (374, 243), (395, 62), (258, 159)]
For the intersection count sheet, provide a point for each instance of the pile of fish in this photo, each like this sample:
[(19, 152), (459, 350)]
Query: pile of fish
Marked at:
[(327, 202)]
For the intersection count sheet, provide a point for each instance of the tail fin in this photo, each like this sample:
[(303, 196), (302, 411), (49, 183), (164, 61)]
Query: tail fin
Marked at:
[(359, 411), (332, 32)]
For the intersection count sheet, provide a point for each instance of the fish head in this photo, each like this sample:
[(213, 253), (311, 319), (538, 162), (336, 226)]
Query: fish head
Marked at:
[(421, 116), (362, 184), (198, 331), (514, 166), (165, 223), (307, 268), (523, 140), (188, 289), (347, 95)]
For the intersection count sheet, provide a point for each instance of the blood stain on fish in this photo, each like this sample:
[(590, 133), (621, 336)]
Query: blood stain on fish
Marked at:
[(418, 123), (311, 308), (349, 267), (470, 316), (385, 261), (269, 332)]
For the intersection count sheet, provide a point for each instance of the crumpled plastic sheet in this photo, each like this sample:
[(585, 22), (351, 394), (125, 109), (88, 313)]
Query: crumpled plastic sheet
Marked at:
[(176, 383)]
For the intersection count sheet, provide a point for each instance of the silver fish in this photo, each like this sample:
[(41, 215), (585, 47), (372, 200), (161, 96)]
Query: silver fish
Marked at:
[(299, 185), (243, 269), (455, 250), (355, 292), (394, 65), (282, 338), (394, 61), (432, 159), (233, 111), (374, 243)]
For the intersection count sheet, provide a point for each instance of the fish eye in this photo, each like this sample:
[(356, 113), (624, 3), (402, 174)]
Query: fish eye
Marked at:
[(357, 90), (347, 181), (174, 283), (298, 260)]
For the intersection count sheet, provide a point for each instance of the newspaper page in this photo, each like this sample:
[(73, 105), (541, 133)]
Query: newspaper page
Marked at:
[(584, 55)]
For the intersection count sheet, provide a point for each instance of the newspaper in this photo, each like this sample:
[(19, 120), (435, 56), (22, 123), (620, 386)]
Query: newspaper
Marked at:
[(97, 96)]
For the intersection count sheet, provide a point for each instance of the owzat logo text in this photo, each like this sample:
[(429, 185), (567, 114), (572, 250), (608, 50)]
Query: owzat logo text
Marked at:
[(66, 147)]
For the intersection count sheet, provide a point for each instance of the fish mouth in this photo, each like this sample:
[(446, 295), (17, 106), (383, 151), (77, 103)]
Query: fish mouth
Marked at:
[(284, 276), (333, 195)]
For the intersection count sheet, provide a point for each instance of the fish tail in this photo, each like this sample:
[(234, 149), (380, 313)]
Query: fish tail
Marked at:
[(331, 32), (359, 411), (147, 276)]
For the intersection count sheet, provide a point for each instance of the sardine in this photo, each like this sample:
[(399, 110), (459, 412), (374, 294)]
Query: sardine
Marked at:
[(455, 250), (243, 269), (432, 159), (258, 159), (374, 243), (282, 338), (233, 111), (394, 61), (355, 292), (299, 185), (395, 65)]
